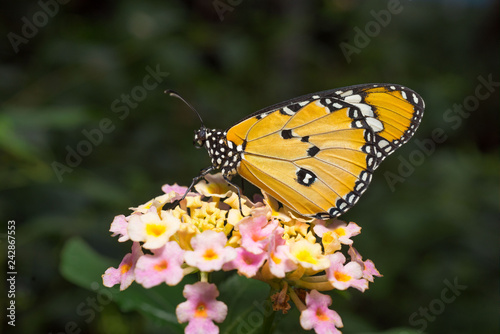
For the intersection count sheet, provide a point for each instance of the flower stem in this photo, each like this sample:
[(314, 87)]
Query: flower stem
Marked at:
[(267, 326)]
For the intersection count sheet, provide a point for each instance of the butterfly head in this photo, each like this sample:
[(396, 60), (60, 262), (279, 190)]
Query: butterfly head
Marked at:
[(200, 137)]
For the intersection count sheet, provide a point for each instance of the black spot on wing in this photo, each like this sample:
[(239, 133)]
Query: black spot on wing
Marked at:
[(291, 109), (312, 151), (333, 104), (286, 134), (305, 177)]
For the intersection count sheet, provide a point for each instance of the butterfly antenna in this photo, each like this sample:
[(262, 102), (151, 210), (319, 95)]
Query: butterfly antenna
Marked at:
[(172, 93)]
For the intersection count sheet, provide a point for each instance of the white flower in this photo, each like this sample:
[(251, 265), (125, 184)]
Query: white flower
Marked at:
[(152, 229)]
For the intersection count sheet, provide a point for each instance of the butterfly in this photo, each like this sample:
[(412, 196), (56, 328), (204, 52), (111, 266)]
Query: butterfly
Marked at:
[(315, 153)]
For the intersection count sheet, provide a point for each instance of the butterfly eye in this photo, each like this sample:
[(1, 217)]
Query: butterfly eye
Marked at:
[(200, 136)]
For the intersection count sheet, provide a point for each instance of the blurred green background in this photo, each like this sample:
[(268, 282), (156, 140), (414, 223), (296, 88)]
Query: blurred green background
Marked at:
[(430, 218)]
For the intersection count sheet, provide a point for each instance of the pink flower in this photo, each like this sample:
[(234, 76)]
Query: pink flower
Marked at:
[(279, 257), (201, 326), (256, 232), (119, 227), (369, 267), (124, 274), (342, 277), (178, 190), (209, 252), (164, 266), (344, 231), (201, 309), (247, 263), (318, 316)]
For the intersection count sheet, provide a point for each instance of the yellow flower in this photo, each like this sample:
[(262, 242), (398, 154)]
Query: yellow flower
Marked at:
[(309, 255), (153, 229)]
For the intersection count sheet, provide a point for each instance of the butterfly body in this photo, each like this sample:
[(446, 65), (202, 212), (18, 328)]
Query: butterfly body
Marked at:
[(225, 155), (316, 153)]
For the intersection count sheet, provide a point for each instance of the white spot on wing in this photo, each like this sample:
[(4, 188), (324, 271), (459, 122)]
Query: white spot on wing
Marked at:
[(346, 93), (366, 110), (306, 178), (353, 98), (288, 111), (358, 124), (375, 124), (383, 143)]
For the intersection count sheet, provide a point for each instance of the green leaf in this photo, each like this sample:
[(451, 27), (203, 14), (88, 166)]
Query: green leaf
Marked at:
[(81, 265), (248, 305), (396, 331)]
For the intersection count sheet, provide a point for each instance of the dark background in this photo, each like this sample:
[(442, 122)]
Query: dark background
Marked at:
[(429, 219)]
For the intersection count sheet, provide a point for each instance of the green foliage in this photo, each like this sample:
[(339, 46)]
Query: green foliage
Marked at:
[(83, 266)]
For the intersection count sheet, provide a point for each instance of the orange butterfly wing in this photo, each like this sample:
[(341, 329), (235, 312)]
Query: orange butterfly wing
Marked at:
[(316, 153)]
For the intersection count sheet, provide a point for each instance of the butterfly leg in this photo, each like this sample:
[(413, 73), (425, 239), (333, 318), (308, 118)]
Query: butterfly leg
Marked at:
[(202, 174), (237, 189)]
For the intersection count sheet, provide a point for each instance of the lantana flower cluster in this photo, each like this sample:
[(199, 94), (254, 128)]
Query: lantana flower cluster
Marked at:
[(208, 231)]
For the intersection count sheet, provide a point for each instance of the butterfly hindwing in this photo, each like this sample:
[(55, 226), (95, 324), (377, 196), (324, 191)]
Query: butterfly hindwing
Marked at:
[(316, 153)]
